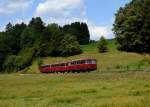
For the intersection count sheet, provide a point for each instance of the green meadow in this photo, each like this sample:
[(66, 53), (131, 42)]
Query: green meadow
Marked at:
[(121, 80), (130, 89)]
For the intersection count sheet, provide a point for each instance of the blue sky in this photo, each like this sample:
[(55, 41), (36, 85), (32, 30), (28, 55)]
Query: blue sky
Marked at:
[(98, 14)]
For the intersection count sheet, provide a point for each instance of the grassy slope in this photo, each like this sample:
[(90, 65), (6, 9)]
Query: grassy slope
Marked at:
[(95, 89), (113, 60), (130, 89)]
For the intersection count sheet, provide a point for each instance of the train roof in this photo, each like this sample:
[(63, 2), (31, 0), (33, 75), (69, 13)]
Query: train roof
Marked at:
[(68, 61)]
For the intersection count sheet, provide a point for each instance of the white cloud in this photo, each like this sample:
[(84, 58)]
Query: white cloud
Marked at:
[(57, 11), (68, 11), (12, 6), (2, 29), (63, 21), (59, 8), (97, 31), (61, 11)]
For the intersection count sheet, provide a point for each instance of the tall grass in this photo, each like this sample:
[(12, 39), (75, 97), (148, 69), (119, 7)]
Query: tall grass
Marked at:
[(96, 89), (130, 89)]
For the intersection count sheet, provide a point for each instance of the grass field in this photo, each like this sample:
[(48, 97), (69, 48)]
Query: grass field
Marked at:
[(130, 89), (121, 80)]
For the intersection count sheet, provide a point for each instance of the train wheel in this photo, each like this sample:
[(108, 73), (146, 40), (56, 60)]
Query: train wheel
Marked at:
[(78, 71)]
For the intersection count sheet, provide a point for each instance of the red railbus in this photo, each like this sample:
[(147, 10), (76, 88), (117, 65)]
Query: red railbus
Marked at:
[(82, 65)]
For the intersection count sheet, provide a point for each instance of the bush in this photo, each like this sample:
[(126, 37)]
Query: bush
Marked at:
[(25, 58), (102, 45), (17, 63), (39, 61), (9, 65), (69, 46)]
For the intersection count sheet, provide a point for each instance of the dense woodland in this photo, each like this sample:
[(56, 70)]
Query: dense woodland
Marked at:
[(21, 43)]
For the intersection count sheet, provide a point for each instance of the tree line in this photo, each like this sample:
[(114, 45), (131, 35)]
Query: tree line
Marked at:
[(21, 43)]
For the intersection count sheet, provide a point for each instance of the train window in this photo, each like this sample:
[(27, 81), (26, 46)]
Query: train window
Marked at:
[(79, 62), (54, 65), (65, 64), (69, 64), (93, 62), (82, 61), (73, 63), (45, 66), (90, 62), (61, 64), (76, 62), (86, 62)]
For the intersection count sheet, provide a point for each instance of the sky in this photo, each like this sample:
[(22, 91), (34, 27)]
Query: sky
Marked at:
[(98, 14)]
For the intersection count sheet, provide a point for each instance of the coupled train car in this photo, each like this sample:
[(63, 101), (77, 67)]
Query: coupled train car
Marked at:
[(72, 66)]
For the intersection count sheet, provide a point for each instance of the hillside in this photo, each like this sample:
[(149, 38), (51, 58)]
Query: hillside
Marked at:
[(113, 60), (111, 85)]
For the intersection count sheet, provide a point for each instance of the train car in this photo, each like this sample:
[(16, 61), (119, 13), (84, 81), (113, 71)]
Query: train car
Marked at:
[(82, 65)]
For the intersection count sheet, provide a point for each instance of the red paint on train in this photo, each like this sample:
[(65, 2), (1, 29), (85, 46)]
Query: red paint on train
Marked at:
[(72, 66)]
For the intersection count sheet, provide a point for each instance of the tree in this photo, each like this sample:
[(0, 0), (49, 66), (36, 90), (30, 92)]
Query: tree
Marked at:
[(102, 45), (14, 36), (69, 46), (37, 24), (56, 37), (79, 30), (4, 47), (21, 43), (27, 38), (8, 27), (43, 46), (132, 26)]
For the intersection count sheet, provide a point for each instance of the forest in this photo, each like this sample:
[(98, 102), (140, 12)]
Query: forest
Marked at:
[(21, 43)]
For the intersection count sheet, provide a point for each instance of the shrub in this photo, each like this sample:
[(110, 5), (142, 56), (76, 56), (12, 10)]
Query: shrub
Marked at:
[(69, 46), (102, 45), (9, 65), (39, 61)]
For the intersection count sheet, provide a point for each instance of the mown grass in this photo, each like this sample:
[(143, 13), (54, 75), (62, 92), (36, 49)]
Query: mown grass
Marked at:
[(130, 89)]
